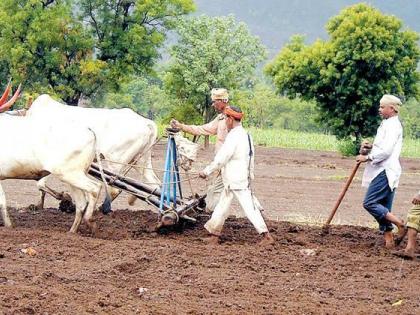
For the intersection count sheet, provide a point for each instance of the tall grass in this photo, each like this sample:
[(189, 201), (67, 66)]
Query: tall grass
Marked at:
[(283, 138), (294, 140), (315, 141), (411, 148)]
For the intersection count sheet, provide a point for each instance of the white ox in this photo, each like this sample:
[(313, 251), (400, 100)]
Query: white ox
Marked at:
[(30, 150), (122, 136)]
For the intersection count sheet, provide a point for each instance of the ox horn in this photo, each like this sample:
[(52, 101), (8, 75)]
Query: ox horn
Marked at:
[(9, 104), (6, 93)]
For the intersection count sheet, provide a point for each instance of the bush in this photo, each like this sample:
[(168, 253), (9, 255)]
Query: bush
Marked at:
[(348, 147)]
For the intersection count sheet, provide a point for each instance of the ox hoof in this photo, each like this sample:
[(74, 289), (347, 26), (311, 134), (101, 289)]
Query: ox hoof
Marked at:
[(106, 206), (67, 206), (34, 208), (93, 228), (105, 209)]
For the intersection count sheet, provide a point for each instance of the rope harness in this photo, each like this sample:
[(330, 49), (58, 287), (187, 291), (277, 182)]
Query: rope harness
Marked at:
[(132, 165)]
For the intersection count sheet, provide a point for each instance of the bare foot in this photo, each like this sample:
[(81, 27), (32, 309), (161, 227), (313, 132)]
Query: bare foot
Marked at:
[(405, 254), (211, 240), (267, 240), (389, 240), (402, 231)]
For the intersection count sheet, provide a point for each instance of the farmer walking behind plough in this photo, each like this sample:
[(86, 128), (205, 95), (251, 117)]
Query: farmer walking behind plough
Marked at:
[(220, 99), (383, 170), (235, 159)]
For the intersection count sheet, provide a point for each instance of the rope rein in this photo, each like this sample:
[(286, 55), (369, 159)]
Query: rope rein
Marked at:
[(137, 158), (146, 168), (132, 165)]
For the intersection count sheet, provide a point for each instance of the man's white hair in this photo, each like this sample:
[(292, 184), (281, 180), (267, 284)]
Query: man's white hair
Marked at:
[(392, 100)]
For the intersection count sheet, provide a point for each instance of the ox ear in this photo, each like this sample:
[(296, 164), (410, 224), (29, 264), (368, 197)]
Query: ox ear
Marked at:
[(9, 104), (6, 93)]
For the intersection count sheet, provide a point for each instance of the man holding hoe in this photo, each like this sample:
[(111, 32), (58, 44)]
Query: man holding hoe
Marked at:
[(383, 170)]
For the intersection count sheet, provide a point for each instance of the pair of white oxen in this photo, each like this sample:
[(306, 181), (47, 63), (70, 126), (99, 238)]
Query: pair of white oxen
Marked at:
[(61, 140)]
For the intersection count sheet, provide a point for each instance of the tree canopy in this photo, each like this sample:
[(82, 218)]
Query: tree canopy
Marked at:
[(44, 47), (368, 54), (75, 48), (128, 33), (210, 53), (264, 108), (142, 94)]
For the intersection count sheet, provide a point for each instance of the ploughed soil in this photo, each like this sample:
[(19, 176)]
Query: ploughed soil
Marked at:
[(127, 268)]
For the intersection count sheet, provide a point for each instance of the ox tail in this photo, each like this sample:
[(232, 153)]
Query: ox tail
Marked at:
[(106, 206)]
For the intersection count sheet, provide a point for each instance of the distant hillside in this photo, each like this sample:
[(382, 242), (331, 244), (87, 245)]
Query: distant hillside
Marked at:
[(276, 20)]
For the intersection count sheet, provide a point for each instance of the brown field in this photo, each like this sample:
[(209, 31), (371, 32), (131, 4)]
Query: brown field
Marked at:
[(129, 269)]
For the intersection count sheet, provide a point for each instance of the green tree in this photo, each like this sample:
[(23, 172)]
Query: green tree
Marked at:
[(44, 47), (258, 104), (128, 33), (410, 118), (143, 95), (265, 109), (368, 54), (211, 52), (77, 48)]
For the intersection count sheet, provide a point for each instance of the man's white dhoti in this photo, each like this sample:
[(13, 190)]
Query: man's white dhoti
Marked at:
[(236, 160), (222, 211)]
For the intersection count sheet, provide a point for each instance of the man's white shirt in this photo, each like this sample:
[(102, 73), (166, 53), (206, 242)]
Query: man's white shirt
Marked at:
[(385, 153), (233, 158)]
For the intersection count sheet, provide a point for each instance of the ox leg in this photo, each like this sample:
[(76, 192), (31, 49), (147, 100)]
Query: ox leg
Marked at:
[(41, 184), (92, 200), (3, 208), (113, 193), (86, 191), (44, 189), (81, 205)]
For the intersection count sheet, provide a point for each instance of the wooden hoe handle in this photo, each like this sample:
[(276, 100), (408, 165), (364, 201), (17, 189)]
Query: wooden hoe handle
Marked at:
[(342, 194)]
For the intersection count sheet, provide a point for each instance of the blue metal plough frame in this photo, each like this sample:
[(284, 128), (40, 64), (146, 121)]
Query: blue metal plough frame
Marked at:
[(169, 199)]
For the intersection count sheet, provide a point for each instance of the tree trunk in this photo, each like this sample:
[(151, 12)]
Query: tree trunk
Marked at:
[(207, 117), (357, 142)]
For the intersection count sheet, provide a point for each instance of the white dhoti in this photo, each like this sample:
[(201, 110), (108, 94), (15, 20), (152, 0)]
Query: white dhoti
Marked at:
[(213, 192), (222, 211)]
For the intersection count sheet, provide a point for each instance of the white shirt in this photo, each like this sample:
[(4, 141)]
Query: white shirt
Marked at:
[(234, 160), (385, 153)]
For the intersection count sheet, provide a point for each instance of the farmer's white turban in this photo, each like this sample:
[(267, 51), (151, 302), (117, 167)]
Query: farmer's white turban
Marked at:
[(392, 100), (219, 94)]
